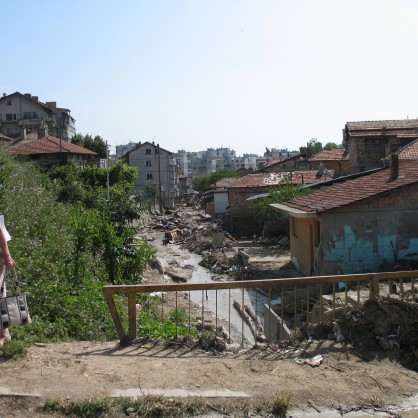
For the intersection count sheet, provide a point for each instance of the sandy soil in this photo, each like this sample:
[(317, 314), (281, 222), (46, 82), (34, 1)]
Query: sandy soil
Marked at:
[(349, 377)]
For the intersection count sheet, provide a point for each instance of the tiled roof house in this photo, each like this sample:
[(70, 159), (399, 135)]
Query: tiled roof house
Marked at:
[(358, 225), (369, 142), (50, 150), (241, 212), (336, 159)]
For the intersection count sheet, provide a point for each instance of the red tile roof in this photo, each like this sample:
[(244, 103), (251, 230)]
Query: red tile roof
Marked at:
[(5, 138), (48, 145), (355, 190), (276, 179), (225, 182), (408, 152), (379, 124), (337, 154)]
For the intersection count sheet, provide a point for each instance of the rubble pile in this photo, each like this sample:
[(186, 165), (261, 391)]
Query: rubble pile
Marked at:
[(199, 234), (382, 323)]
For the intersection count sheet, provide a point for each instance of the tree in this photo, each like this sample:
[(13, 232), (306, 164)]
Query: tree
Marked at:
[(278, 194), (331, 145), (313, 147), (203, 183), (96, 144)]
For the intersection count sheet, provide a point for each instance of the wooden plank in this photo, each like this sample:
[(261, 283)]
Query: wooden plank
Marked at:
[(132, 316), (299, 281), (115, 315)]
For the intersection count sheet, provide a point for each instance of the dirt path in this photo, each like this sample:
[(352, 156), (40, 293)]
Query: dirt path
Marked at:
[(84, 370)]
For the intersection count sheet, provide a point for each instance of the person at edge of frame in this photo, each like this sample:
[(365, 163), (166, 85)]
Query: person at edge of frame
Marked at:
[(6, 262)]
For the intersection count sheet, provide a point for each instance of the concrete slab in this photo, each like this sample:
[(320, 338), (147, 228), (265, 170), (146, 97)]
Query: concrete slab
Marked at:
[(8, 392)]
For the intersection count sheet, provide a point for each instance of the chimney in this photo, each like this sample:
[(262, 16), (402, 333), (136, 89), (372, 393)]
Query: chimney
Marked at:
[(4, 94), (35, 98), (28, 95), (41, 132), (394, 167)]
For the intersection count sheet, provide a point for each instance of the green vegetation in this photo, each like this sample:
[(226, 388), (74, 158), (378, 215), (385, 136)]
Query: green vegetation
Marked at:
[(314, 146), (204, 182), (96, 144), (146, 406), (278, 194), (70, 236)]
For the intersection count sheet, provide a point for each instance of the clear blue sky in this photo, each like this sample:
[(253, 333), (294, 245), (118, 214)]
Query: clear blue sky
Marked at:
[(193, 74)]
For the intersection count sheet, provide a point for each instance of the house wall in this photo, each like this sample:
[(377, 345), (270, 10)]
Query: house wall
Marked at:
[(287, 165), (371, 235), (366, 153), (242, 215), (159, 169), (341, 168), (304, 241)]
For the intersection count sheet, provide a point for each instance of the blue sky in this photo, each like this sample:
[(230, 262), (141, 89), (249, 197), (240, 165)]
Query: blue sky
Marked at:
[(193, 74)]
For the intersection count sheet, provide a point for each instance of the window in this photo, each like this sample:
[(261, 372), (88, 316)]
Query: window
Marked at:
[(148, 151), (156, 151), (10, 117), (9, 103), (29, 115), (148, 163), (149, 176), (12, 131)]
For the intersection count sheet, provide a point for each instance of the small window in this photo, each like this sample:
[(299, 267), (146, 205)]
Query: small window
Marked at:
[(149, 176), (148, 151), (148, 163), (156, 150), (9, 103)]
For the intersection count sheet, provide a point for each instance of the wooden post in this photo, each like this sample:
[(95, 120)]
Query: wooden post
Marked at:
[(132, 315)]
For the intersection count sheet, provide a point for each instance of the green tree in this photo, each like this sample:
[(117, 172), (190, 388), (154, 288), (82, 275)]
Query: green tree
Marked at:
[(331, 145), (204, 182), (96, 144), (313, 147), (277, 194)]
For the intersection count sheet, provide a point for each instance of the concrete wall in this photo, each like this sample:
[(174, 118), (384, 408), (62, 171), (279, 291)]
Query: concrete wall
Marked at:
[(372, 236)]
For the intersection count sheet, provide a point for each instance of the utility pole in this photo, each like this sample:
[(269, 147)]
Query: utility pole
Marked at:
[(159, 179), (107, 171)]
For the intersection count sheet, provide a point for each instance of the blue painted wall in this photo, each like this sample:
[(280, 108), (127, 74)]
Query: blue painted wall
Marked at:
[(368, 240)]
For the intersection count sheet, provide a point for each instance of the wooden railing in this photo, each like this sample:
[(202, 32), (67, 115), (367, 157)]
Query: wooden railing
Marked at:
[(356, 282)]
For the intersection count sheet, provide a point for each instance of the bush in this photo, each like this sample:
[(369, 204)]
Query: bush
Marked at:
[(66, 251)]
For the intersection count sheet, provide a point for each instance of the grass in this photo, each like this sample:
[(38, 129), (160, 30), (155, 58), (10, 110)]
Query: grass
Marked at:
[(146, 406), (280, 404)]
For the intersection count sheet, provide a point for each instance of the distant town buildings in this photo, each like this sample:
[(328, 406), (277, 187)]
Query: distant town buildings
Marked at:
[(199, 163)]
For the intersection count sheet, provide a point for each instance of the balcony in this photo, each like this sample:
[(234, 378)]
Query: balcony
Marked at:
[(31, 122)]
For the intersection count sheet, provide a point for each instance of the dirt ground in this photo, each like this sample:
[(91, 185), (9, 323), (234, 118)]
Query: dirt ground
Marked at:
[(350, 378)]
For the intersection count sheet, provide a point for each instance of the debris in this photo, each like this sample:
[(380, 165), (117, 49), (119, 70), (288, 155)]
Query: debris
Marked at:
[(339, 337), (314, 361), (314, 406)]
